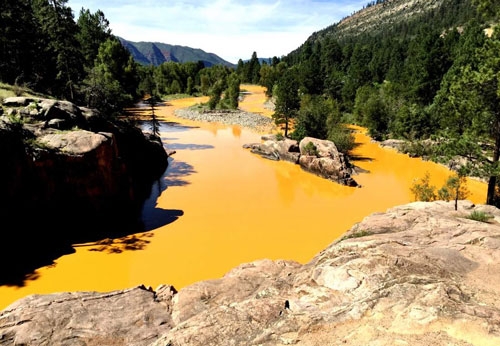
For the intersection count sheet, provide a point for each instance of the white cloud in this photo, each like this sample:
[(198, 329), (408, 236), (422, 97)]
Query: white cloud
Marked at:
[(231, 29)]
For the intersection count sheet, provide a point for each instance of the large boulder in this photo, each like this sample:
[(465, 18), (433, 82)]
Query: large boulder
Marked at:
[(321, 157), (419, 274), (17, 101), (75, 142), (274, 149)]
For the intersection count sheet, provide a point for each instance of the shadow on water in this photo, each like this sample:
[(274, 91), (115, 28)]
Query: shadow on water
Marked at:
[(41, 236), (34, 234)]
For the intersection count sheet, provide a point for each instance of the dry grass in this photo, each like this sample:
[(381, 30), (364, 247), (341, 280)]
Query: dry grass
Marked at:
[(7, 90)]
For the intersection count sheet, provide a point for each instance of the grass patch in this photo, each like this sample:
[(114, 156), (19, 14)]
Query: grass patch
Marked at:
[(479, 216), (311, 149), (358, 234), (35, 144), (7, 90)]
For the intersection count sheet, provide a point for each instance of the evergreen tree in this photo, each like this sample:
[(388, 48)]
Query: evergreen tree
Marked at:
[(57, 24), (93, 31), (233, 91), (190, 86), (215, 95), (287, 99), (474, 93), (19, 37), (112, 82), (205, 84)]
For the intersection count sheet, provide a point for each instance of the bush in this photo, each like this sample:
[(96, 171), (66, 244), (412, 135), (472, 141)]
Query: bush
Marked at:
[(417, 149), (423, 190), (18, 90), (479, 216), (342, 137), (279, 137), (311, 149), (358, 234)]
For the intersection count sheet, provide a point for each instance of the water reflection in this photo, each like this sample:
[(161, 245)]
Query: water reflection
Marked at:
[(181, 146)]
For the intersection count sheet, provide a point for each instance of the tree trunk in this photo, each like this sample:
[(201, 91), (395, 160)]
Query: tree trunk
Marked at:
[(286, 126), (490, 199), (456, 197)]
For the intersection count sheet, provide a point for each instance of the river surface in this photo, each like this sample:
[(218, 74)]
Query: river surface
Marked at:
[(219, 206)]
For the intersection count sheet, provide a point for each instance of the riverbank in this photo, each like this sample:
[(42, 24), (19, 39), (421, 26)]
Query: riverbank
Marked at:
[(418, 274)]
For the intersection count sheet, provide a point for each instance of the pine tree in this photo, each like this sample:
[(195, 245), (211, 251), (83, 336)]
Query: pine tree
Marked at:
[(93, 31), (287, 99)]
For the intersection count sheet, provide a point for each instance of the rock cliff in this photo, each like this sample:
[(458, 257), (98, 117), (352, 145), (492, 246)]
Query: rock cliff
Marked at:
[(418, 274), (65, 166)]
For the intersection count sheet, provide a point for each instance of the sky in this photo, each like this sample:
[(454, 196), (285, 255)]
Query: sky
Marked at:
[(232, 29)]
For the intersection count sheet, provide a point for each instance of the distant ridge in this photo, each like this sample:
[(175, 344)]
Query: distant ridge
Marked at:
[(157, 53)]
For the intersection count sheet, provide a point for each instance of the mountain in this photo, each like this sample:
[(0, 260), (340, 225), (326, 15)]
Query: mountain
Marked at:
[(157, 53), (382, 19)]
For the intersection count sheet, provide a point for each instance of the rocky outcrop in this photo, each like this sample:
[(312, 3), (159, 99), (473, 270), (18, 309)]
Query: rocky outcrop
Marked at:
[(419, 274), (320, 157), (65, 166), (273, 149)]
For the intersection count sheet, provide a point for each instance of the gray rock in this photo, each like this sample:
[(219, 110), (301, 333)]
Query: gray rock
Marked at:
[(286, 149), (419, 274), (17, 101), (393, 143), (59, 124), (131, 317), (326, 162), (11, 111), (74, 142)]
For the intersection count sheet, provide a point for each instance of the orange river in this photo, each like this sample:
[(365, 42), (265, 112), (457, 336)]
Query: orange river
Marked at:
[(237, 207)]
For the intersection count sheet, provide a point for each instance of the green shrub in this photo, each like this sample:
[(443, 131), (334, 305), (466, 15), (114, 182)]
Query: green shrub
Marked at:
[(342, 137), (358, 234), (17, 90), (417, 149), (479, 216), (311, 149), (422, 189), (279, 137)]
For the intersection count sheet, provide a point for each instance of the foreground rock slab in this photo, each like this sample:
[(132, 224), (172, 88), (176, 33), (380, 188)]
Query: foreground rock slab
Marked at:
[(418, 274)]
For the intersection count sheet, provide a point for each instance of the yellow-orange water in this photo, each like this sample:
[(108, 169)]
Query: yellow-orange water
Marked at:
[(237, 208), (254, 103)]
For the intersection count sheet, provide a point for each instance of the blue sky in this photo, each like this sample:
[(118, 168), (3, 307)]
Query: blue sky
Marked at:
[(232, 29)]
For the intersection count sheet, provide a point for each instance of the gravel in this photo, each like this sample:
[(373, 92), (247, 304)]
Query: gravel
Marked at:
[(228, 117)]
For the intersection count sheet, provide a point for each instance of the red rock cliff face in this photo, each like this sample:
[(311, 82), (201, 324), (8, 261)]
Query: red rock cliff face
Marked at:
[(71, 173)]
